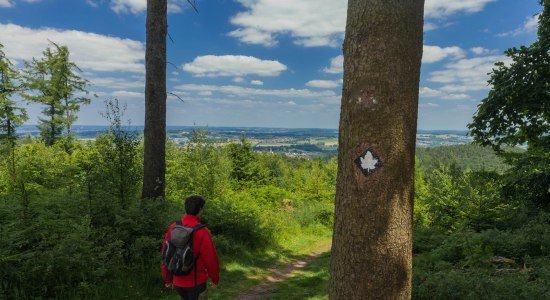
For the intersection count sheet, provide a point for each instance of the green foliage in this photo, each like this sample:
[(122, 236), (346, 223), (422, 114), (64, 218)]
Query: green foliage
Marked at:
[(53, 81), (245, 170), (467, 156), (527, 182), (73, 226), (466, 218), (460, 267), (11, 115), (198, 169), (517, 109)]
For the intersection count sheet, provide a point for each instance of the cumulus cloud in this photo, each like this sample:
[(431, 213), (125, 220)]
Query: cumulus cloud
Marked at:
[(426, 92), (336, 65), (233, 65), (140, 6), (428, 26), (440, 9), (254, 92), (117, 82), (11, 3), (310, 22), (530, 25), (429, 105), (90, 51), (128, 94), (434, 53), (257, 82), (313, 23), (481, 50), (253, 36), (324, 84), (466, 75)]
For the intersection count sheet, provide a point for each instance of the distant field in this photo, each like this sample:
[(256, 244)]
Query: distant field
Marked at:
[(309, 142)]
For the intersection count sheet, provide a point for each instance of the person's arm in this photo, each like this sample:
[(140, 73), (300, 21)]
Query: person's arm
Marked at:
[(166, 276), (210, 257)]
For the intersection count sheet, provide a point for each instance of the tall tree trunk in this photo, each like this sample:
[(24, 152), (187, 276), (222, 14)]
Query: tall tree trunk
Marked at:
[(372, 241), (154, 164)]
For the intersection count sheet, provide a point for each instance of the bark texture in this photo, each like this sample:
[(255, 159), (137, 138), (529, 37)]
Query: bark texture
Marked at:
[(154, 163), (372, 240)]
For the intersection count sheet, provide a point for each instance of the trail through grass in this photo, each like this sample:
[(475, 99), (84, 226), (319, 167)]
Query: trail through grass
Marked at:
[(244, 270)]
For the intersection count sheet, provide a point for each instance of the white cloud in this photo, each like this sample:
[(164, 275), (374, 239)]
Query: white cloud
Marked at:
[(256, 82), (434, 53), (6, 3), (466, 75), (90, 51), (429, 105), (429, 92), (139, 6), (126, 6), (253, 36), (205, 93), (426, 92), (253, 92), (324, 84), (238, 80), (233, 65), (530, 25), (440, 9), (336, 65), (481, 50), (312, 23), (456, 96), (128, 94), (428, 26), (11, 3), (117, 82)]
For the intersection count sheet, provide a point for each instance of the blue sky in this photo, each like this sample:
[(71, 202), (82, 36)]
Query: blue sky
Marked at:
[(269, 63)]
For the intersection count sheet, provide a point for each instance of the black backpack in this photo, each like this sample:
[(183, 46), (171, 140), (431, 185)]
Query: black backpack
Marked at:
[(178, 251)]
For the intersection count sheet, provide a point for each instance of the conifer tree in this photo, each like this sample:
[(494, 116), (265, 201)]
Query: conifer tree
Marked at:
[(68, 83), (11, 115), (53, 82)]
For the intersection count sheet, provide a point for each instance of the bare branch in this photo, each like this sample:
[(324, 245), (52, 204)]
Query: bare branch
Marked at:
[(172, 65), (193, 5), (177, 96), (170, 37)]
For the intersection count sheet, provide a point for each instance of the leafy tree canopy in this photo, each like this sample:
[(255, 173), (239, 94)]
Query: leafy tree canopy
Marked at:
[(517, 109)]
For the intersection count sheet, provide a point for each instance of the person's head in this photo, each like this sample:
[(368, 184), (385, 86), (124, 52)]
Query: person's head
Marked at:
[(194, 205)]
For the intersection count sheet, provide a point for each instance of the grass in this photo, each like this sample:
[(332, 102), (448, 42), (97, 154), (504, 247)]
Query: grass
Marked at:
[(245, 269), (311, 282), (239, 271)]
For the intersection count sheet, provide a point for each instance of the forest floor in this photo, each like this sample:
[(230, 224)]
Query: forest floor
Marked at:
[(279, 273)]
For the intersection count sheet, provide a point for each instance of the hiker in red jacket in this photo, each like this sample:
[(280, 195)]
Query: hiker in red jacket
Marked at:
[(188, 286)]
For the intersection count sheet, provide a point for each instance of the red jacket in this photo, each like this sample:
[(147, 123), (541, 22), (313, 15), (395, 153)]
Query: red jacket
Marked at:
[(207, 264)]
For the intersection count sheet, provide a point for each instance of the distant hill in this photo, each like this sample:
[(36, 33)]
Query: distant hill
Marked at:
[(466, 156)]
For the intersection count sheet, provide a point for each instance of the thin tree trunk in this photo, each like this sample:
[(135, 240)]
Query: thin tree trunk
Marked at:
[(68, 116), (154, 164), (372, 240)]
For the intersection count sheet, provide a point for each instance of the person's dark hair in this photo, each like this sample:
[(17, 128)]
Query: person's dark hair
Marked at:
[(193, 205)]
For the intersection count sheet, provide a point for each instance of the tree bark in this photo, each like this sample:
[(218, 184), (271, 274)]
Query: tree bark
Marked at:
[(372, 239), (154, 164)]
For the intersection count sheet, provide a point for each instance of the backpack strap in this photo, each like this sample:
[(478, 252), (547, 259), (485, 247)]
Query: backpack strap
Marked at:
[(197, 227)]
